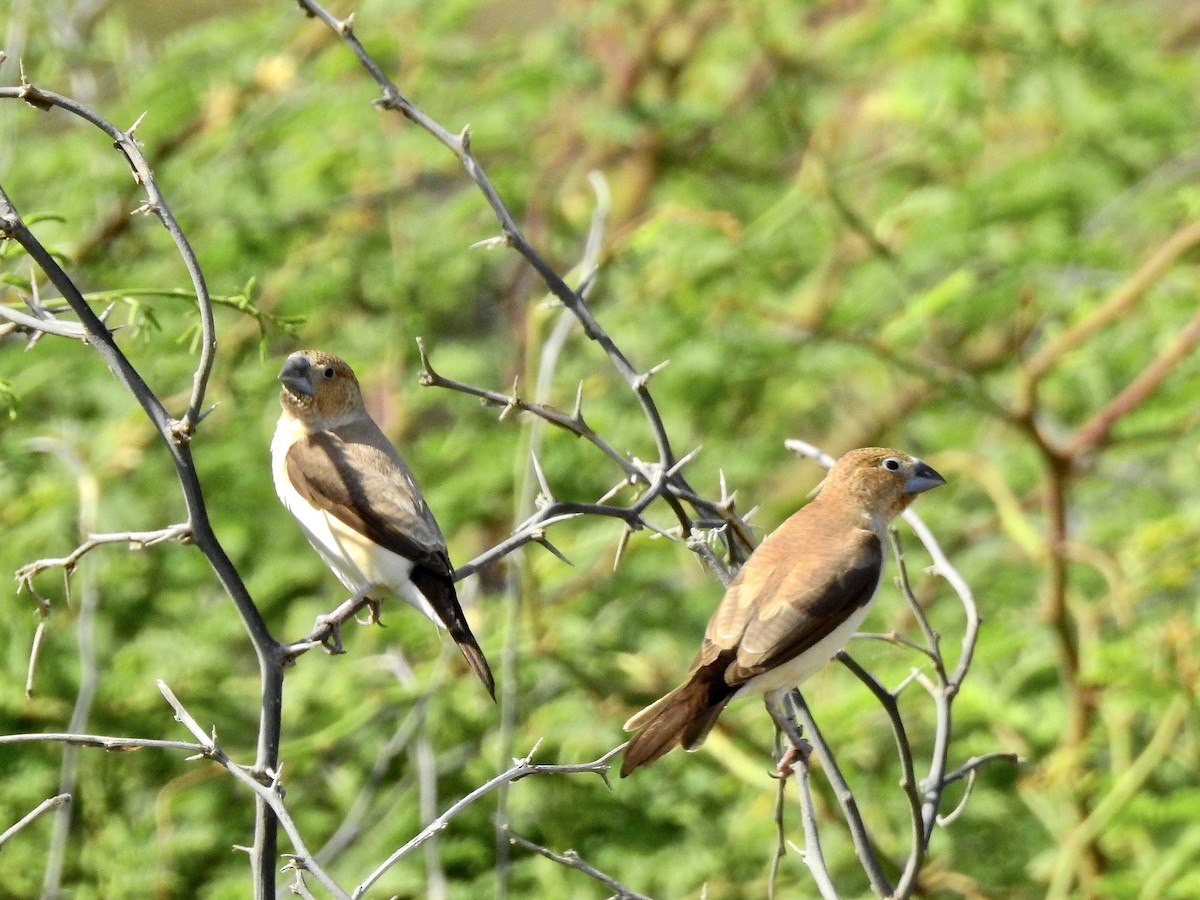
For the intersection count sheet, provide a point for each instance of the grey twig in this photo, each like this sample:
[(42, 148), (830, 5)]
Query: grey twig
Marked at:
[(102, 741), (269, 793), (863, 848), (48, 804), (572, 860), (812, 854), (155, 203), (136, 540), (521, 768), (176, 435)]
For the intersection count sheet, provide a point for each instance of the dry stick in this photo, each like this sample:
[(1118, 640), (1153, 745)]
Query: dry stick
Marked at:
[(574, 422), (845, 797), (44, 325), (908, 778), (47, 804), (572, 860), (943, 695), (521, 768), (176, 435), (101, 741), (136, 540), (813, 856), (127, 144), (269, 793), (780, 834)]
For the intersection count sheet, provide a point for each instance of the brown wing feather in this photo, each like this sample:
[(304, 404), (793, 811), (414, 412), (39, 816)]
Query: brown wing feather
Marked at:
[(788, 630), (370, 490), (776, 609), (361, 486)]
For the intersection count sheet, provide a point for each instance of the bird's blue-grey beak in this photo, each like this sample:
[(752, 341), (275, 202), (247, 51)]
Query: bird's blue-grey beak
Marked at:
[(296, 375), (924, 478)]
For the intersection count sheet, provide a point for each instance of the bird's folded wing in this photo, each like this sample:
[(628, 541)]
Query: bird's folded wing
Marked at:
[(362, 487), (788, 603)]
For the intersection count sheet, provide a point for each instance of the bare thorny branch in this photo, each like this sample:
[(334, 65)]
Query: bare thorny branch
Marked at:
[(175, 434), (662, 479)]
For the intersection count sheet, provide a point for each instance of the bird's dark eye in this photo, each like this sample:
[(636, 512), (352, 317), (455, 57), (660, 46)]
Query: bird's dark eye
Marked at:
[(329, 373), (891, 464)]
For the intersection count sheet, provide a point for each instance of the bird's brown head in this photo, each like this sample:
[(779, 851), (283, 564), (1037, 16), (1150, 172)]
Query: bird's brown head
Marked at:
[(319, 388), (879, 482)]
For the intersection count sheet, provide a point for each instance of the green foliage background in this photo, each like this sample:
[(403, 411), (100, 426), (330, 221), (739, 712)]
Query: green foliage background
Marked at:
[(854, 223)]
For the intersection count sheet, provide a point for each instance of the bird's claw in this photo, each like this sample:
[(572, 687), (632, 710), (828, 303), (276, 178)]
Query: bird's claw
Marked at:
[(331, 643), (795, 753), (372, 614)]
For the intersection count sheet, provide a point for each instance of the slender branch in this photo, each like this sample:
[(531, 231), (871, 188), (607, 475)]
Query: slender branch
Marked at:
[(521, 768), (672, 488), (908, 777), (944, 568), (798, 763), (976, 762), (933, 640), (45, 325), (175, 435), (137, 540), (156, 203), (574, 423), (572, 860), (269, 793), (104, 742), (845, 797), (46, 805)]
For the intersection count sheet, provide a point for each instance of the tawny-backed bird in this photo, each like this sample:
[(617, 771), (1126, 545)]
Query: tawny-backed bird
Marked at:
[(795, 603), (357, 502)]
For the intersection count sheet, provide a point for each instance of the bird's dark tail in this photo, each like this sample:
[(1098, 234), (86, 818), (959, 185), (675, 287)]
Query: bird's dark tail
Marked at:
[(438, 591), (475, 659), (684, 716)]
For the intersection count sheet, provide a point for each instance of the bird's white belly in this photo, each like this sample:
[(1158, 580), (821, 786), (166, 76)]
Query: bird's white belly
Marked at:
[(804, 666)]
